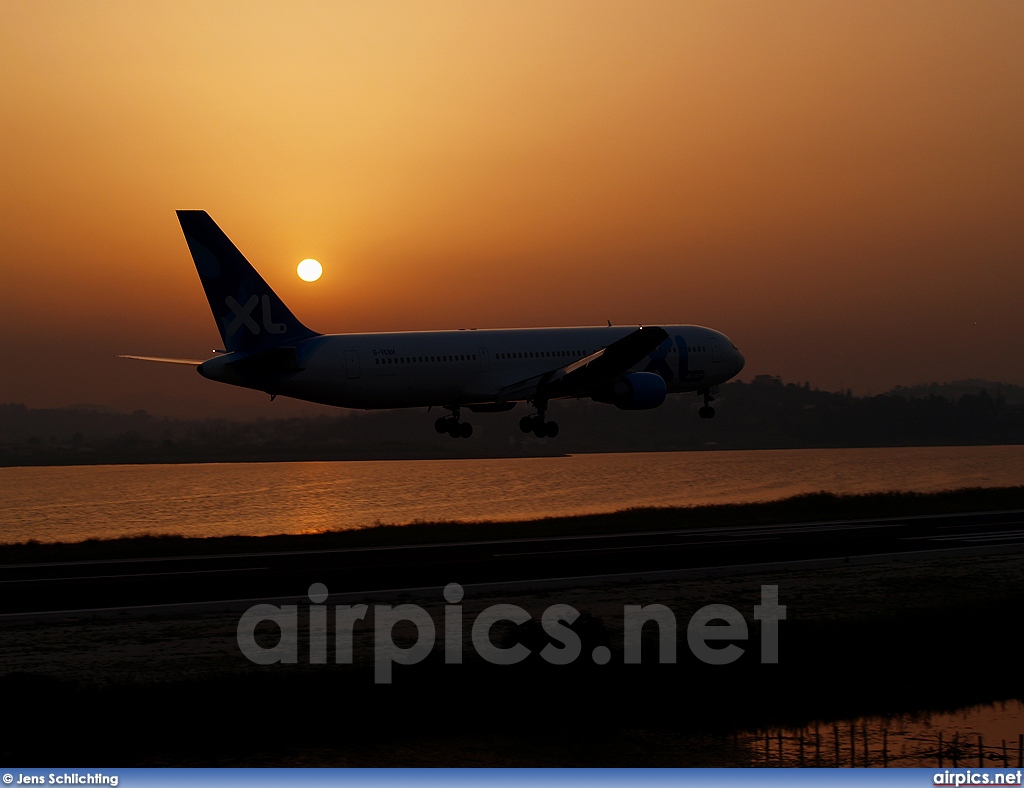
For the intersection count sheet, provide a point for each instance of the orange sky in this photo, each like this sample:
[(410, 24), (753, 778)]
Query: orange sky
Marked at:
[(839, 187)]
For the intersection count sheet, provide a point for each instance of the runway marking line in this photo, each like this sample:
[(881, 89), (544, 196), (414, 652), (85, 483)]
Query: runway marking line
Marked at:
[(138, 574), (640, 547), (729, 569), (878, 522)]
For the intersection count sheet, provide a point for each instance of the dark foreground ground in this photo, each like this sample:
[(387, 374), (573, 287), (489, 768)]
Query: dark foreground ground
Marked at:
[(172, 687)]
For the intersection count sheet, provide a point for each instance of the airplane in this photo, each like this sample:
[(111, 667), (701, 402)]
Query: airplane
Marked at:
[(268, 349)]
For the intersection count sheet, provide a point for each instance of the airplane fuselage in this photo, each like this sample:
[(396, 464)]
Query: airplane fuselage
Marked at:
[(466, 367)]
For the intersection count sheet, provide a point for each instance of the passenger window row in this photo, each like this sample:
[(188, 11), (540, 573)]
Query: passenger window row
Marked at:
[(543, 354), (423, 359), (501, 356)]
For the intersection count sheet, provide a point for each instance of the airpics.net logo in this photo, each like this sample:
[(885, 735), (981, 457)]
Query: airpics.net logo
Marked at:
[(969, 777), (709, 624)]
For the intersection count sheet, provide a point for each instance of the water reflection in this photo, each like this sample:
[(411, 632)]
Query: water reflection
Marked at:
[(75, 503), (987, 736)]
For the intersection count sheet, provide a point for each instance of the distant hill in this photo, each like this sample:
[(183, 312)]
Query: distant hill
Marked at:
[(765, 413), (19, 423), (1010, 394)]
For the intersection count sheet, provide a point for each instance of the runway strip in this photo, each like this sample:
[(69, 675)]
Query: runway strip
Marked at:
[(70, 587)]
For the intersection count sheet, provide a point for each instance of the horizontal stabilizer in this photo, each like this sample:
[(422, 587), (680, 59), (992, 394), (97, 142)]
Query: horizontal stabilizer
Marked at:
[(188, 361)]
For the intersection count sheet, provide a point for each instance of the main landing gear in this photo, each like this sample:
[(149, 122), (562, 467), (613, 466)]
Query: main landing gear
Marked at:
[(452, 425), (707, 412), (537, 425)]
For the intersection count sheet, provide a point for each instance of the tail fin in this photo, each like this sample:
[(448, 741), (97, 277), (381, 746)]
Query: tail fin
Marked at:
[(249, 314)]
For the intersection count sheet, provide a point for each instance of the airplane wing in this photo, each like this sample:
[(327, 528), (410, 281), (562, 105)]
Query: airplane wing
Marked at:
[(582, 376), (188, 361)]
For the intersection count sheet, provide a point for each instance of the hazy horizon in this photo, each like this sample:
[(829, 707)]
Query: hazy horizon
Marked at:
[(838, 188), (242, 405)]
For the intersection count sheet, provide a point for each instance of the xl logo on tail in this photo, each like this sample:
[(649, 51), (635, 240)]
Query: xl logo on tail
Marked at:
[(243, 316)]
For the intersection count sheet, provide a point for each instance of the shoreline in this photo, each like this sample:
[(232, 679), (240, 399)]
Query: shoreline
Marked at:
[(810, 507), (63, 458)]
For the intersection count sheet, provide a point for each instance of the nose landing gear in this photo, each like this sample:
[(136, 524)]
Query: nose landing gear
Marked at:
[(537, 425), (452, 425), (706, 412)]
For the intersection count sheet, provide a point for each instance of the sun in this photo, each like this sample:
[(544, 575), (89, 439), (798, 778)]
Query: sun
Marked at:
[(310, 270)]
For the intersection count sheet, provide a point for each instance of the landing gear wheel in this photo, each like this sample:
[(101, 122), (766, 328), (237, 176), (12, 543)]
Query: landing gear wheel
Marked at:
[(707, 412), (711, 412), (452, 425), (536, 423)]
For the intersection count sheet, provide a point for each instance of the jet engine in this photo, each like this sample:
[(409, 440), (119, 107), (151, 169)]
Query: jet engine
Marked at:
[(634, 391)]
